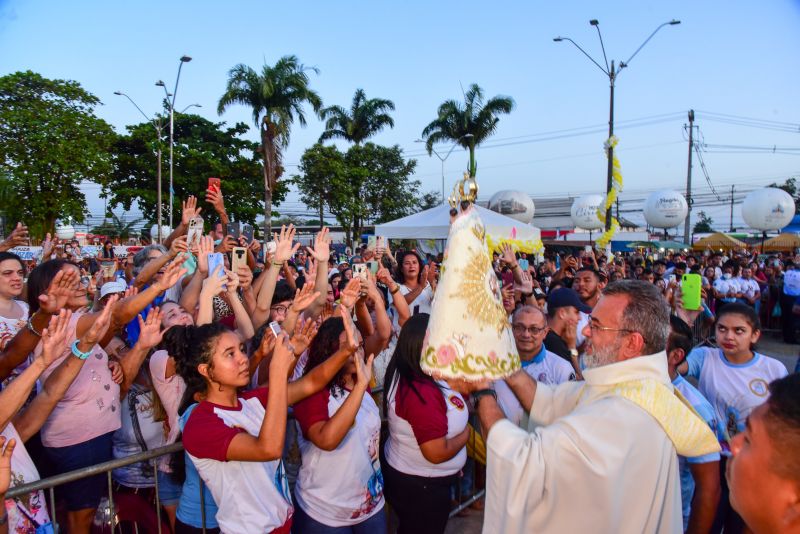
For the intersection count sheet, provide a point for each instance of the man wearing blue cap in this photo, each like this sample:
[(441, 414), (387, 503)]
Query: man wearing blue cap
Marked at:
[(563, 314)]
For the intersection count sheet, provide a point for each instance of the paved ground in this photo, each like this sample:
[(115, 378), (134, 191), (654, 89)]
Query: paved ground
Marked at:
[(770, 344)]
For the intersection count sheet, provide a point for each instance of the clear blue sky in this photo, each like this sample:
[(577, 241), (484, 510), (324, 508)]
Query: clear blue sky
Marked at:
[(731, 57)]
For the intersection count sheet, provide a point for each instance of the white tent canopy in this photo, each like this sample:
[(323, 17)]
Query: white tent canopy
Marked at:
[(435, 224)]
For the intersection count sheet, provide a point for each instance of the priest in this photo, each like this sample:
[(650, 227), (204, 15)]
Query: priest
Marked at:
[(600, 455)]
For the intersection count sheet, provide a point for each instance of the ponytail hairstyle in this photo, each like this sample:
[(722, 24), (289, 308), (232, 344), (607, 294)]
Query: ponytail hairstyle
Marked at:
[(200, 342), (404, 364), (323, 346)]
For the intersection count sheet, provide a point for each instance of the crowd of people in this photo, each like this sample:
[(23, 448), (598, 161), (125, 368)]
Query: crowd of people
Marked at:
[(291, 375)]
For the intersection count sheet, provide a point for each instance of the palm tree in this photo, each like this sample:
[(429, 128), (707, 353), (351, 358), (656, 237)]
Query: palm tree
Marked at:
[(367, 116), (276, 96), (468, 124)]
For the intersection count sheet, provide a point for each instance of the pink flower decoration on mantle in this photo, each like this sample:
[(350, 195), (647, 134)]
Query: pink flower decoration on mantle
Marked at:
[(446, 354), (493, 356)]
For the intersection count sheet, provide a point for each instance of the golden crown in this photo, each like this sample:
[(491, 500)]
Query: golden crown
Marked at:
[(466, 190)]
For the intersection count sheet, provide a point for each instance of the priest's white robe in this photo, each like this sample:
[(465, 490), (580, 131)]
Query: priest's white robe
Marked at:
[(592, 462)]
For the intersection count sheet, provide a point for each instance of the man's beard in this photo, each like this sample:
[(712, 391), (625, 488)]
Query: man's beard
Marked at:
[(601, 357)]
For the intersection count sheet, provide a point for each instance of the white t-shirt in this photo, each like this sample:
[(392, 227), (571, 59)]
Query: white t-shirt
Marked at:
[(734, 390), (138, 403), (749, 287), (421, 304), (545, 368), (725, 287), (252, 496), (344, 486), (9, 327), (791, 283), (33, 505), (436, 412)]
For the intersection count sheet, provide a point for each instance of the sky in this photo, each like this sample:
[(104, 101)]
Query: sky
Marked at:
[(726, 58)]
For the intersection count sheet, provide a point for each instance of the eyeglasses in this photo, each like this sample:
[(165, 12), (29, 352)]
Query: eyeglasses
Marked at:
[(594, 327), (279, 309), (520, 329)]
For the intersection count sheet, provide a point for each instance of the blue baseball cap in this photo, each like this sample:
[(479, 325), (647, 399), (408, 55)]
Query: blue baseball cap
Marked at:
[(563, 297)]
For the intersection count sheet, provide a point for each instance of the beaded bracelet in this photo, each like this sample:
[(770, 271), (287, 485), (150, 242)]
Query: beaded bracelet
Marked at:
[(77, 353)]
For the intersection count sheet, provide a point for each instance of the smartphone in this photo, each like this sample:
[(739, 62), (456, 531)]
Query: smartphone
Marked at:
[(525, 264), (238, 258), (373, 267), (247, 232), (360, 270), (195, 232), (275, 327), (216, 259), (109, 268), (271, 247), (587, 249), (233, 229), (216, 183), (670, 278), (690, 291), (372, 242), (508, 278)]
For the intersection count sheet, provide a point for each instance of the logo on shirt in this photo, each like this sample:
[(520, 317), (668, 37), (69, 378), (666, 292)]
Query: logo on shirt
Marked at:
[(759, 387), (457, 402)]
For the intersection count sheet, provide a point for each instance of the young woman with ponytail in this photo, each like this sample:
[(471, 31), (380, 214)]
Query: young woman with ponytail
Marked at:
[(234, 439)]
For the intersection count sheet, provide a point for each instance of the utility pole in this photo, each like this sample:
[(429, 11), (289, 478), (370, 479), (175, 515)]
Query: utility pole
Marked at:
[(732, 188), (687, 225), (617, 208)]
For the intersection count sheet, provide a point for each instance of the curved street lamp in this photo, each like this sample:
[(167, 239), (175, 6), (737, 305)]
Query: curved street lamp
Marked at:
[(455, 143)]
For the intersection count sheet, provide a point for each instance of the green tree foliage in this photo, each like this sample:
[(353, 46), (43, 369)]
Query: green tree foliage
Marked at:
[(50, 140), (429, 200), (365, 118), (790, 186), (202, 149), (368, 183), (703, 225), (276, 97), (468, 124)]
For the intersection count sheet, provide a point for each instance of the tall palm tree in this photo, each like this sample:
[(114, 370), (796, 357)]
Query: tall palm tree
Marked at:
[(116, 227), (276, 96), (367, 116), (468, 124)]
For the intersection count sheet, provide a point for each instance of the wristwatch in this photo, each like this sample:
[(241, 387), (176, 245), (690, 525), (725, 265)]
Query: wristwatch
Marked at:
[(478, 395), (573, 352)]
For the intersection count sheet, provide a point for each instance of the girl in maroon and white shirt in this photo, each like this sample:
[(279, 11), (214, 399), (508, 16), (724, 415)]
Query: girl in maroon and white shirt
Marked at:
[(234, 439), (427, 441), (340, 485)]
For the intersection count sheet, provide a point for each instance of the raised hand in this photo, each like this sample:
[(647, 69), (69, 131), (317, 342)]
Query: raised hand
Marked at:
[(232, 282), (215, 198), (322, 246), (350, 294), (304, 332), (179, 245), (254, 246), (305, 297), (311, 272), (351, 344), (5, 464), (150, 332), (327, 312), (59, 291), (284, 249), (117, 374), (47, 247), (131, 291), (172, 274), (385, 277), (245, 277), (213, 283), (100, 325), (363, 370), (227, 244), (18, 237), (205, 247), (507, 255), (189, 210), (282, 356), (54, 337)]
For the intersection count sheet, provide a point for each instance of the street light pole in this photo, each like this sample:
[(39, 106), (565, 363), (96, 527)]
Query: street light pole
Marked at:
[(443, 159), (159, 127), (171, 104), (611, 72)]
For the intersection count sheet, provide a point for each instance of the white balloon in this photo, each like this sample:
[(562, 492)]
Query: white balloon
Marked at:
[(165, 231), (768, 209), (584, 212), (514, 204), (65, 231), (665, 209)]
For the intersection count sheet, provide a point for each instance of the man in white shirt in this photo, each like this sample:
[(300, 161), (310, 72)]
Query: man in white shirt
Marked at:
[(751, 292), (726, 288), (617, 433), (529, 325)]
